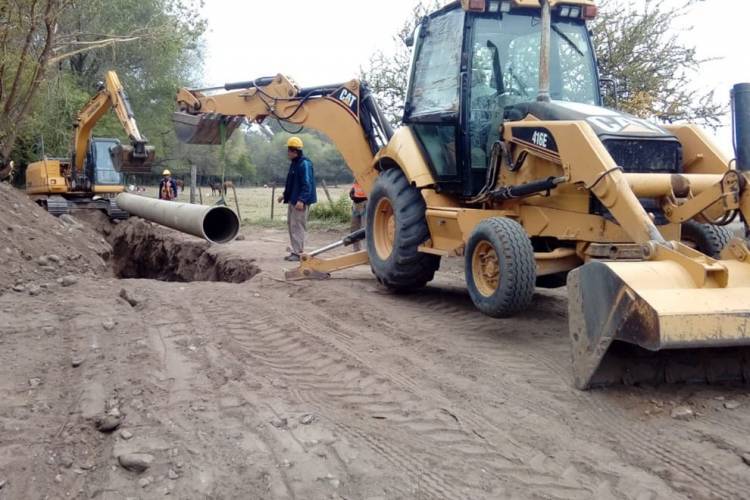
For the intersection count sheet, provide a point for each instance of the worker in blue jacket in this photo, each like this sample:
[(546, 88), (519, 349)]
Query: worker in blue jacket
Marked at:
[(299, 194)]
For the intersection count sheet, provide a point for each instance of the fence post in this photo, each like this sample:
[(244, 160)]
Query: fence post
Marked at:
[(273, 197), (193, 181), (325, 189)]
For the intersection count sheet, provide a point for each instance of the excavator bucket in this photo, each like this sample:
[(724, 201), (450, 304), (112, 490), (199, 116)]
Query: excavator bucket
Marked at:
[(656, 321), (204, 128), (133, 160)]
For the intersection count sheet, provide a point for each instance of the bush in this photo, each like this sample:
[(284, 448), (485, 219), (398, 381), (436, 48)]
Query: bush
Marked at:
[(340, 211)]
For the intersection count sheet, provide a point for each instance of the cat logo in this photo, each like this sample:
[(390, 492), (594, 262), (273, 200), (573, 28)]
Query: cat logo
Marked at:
[(348, 98), (625, 124)]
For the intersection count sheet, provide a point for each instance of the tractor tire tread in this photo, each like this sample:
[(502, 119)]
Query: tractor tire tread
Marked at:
[(407, 268), (517, 267)]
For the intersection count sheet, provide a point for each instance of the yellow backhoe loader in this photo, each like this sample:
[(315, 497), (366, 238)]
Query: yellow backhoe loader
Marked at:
[(93, 176), (507, 158)]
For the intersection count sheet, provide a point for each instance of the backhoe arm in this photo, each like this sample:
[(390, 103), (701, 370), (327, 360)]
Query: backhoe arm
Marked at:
[(111, 95), (346, 113)]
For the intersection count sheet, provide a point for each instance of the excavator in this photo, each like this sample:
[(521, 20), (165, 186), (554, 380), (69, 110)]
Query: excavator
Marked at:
[(508, 159), (92, 177)]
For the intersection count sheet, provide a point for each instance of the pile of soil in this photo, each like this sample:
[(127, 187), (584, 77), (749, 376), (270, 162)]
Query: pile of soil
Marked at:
[(38, 250), (146, 250)]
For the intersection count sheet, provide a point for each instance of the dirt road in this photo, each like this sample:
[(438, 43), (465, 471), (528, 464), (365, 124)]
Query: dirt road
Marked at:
[(336, 389)]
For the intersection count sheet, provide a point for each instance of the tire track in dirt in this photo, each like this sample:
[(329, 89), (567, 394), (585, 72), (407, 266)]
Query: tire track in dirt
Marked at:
[(241, 356), (467, 444), (186, 397), (541, 405), (297, 353), (711, 479)]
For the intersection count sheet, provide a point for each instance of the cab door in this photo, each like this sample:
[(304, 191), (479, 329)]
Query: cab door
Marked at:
[(433, 103), (104, 172)]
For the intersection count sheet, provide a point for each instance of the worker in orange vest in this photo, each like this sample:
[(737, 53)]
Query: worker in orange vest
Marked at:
[(359, 207)]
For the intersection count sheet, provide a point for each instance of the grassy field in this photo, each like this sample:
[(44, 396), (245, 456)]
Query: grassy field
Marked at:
[(255, 203)]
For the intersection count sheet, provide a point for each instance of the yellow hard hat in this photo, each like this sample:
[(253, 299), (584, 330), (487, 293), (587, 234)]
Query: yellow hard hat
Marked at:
[(294, 142), (166, 172)]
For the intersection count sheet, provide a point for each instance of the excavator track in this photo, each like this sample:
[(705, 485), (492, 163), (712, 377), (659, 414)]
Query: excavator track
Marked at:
[(57, 206), (115, 212)]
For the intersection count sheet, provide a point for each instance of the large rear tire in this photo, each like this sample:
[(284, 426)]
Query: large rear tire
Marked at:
[(396, 226), (706, 238), (500, 268)]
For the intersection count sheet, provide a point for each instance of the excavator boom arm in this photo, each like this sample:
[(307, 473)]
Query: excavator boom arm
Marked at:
[(345, 113), (111, 95)]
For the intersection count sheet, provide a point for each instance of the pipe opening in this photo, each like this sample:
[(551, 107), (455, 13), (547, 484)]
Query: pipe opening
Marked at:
[(221, 225)]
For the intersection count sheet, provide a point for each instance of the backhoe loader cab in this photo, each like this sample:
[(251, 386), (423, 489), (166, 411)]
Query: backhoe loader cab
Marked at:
[(471, 64), (507, 160)]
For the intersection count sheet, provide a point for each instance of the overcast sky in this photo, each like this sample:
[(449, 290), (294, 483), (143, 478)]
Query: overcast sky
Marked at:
[(326, 41)]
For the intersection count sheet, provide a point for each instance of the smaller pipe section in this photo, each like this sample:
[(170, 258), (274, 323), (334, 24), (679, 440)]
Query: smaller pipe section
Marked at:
[(215, 224)]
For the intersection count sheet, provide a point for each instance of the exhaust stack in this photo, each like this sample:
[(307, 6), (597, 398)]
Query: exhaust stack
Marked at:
[(741, 124), (215, 224), (544, 51)]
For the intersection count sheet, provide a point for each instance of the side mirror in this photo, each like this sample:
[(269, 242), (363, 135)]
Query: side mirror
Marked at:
[(409, 40), (612, 90)]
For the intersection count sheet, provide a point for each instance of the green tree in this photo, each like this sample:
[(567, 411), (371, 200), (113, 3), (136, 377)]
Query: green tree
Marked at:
[(153, 45), (387, 72), (641, 49), (269, 154), (28, 40)]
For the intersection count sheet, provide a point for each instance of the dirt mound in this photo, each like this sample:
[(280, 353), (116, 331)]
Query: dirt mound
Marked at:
[(147, 250), (36, 249)]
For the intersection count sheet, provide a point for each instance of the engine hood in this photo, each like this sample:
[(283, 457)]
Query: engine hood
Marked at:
[(607, 123)]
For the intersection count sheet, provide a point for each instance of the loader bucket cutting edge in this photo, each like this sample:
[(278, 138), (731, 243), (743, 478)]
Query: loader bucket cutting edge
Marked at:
[(647, 322), (203, 128)]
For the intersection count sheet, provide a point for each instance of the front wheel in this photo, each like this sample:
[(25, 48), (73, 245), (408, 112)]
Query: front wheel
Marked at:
[(500, 268), (396, 226)]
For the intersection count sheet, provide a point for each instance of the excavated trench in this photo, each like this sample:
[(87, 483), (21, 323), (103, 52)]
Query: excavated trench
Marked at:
[(141, 249)]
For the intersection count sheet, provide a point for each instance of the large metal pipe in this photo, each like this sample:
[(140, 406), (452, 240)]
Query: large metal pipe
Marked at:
[(215, 224)]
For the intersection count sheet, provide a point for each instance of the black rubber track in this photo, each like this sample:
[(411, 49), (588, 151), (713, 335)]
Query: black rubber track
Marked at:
[(517, 267), (707, 238), (406, 268)]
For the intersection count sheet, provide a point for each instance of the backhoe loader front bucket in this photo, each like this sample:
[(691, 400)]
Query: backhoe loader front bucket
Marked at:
[(204, 128), (654, 322)]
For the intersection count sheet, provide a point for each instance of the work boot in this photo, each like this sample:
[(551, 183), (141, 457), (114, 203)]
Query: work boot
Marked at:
[(293, 257)]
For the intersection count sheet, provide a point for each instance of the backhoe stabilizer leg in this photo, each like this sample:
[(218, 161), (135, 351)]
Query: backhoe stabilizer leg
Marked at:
[(314, 268)]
